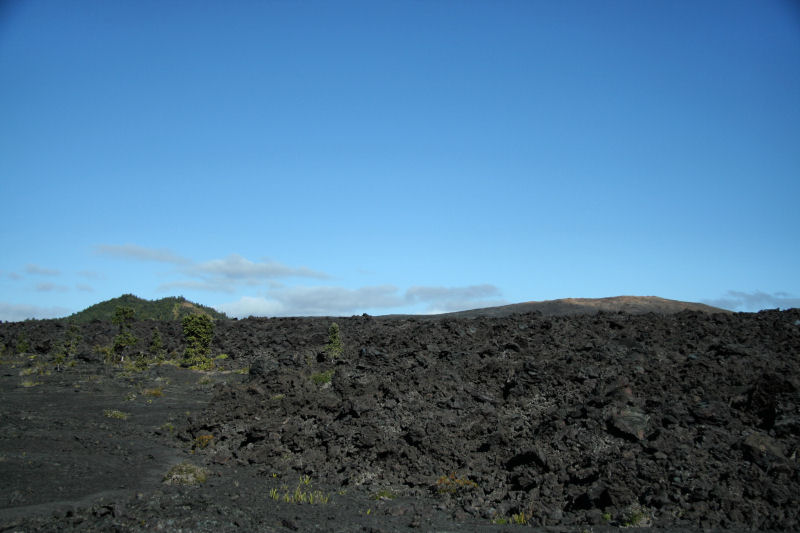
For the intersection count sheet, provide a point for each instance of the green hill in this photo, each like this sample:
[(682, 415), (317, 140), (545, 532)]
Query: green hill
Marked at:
[(170, 308)]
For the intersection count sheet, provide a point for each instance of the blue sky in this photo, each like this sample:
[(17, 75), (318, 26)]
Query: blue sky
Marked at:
[(334, 158)]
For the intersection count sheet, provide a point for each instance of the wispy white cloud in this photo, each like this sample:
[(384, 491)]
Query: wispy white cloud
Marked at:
[(435, 294), (252, 306), (340, 301), (40, 270), (447, 299), (84, 287), (89, 274), (141, 253), (754, 301), (219, 286), (231, 273), (16, 312), (236, 267), (315, 301), (50, 287), (302, 301), (15, 276), (216, 275)]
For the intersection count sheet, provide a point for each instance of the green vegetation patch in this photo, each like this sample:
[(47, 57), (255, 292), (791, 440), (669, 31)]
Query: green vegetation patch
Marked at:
[(637, 516), (334, 347), (198, 331), (165, 309), (203, 441), (66, 349), (186, 474), (321, 378), (116, 414), (453, 484), (124, 318), (519, 519), (303, 493)]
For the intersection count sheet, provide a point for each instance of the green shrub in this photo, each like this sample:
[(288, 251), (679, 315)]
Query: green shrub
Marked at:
[(636, 515), (201, 363), (198, 331), (68, 346), (384, 494), (322, 378), (23, 346), (454, 485), (122, 341), (203, 441), (123, 317), (519, 519), (303, 493), (334, 346), (157, 346), (114, 413), (186, 474)]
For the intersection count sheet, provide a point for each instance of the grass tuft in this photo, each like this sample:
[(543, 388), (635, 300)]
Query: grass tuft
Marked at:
[(452, 484), (203, 441), (114, 413), (321, 378), (303, 493), (186, 474), (384, 494)]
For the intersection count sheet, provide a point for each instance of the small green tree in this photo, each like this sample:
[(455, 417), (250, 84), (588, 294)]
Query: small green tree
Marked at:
[(23, 346), (334, 346), (157, 345), (123, 317), (68, 347), (73, 338), (198, 331)]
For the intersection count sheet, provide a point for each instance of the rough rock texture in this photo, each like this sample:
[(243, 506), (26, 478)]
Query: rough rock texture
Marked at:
[(680, 421)]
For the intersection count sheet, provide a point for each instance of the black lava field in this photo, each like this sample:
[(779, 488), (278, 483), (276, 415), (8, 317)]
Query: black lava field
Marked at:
[(685, 421)]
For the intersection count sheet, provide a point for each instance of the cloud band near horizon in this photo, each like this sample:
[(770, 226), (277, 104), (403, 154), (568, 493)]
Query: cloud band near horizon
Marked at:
[(337, 301), (754, 301), (262, 289)]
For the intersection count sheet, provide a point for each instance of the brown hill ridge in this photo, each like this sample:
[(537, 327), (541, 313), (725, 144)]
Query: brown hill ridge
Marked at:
[(635, 305)]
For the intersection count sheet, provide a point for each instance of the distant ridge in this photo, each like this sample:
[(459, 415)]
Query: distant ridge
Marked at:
[(170, 308), (635, 305)]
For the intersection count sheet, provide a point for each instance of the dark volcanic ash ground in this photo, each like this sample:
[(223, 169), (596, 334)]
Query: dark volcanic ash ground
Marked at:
[(684, 421)]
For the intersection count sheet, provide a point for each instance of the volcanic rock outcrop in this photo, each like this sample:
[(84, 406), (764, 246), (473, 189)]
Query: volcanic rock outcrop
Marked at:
[(682, 420)]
